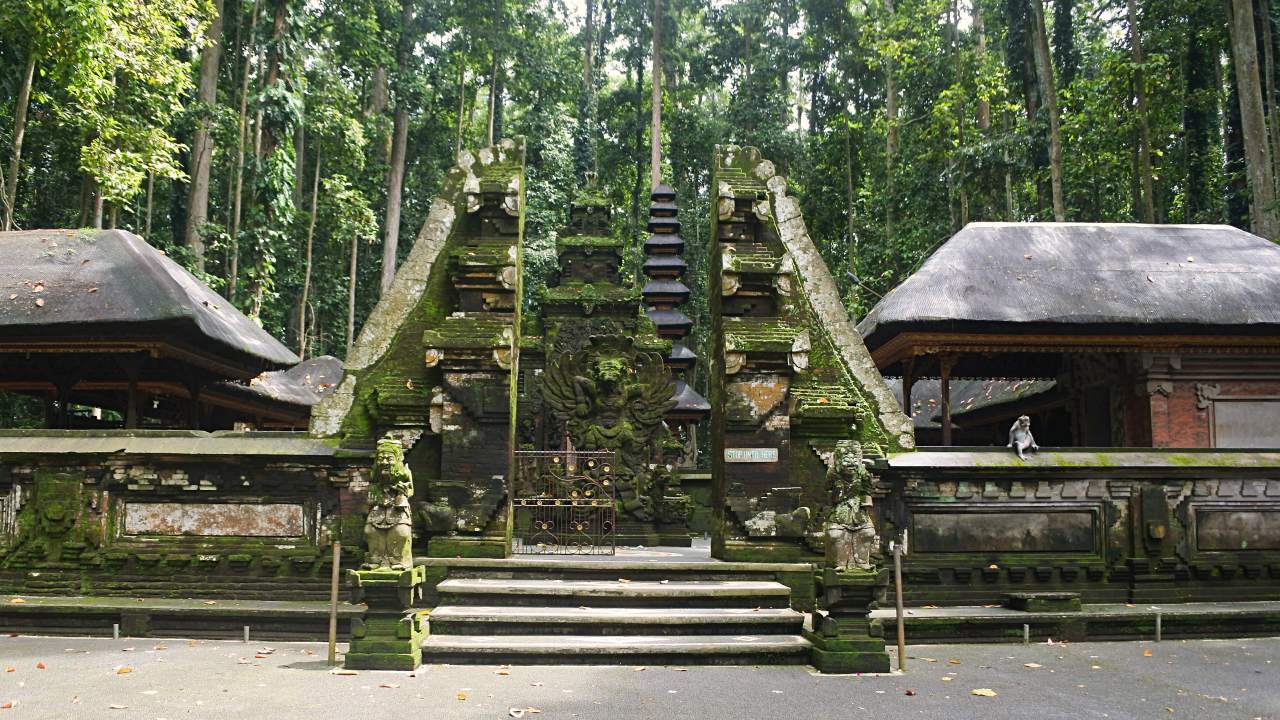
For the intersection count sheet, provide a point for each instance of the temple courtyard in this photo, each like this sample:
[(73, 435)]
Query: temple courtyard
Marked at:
[(137, 678)]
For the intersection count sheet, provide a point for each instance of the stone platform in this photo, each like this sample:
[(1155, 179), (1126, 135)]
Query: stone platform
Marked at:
[(1099, 621), (187, 618)]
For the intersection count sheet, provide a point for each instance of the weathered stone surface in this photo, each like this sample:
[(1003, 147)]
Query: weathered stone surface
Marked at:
[(215, 519)]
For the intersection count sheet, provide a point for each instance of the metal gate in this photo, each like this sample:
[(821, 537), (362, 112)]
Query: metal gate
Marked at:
[(564, 503)]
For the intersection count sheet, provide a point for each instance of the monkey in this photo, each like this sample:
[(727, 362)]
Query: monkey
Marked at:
[(1020, 437)]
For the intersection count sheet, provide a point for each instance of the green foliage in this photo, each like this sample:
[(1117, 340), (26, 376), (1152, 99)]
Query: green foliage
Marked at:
[(113, 106)]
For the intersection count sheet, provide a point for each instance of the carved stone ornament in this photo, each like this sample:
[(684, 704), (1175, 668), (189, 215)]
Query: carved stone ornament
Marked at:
[(433, 356), (730, 283), (508, 277), (734, 361), (799, 357), (388, 528), (1206, 393), (761, 209)]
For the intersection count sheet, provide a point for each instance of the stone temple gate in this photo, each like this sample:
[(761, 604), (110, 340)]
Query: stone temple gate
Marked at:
[(456, 403), (451, 365)]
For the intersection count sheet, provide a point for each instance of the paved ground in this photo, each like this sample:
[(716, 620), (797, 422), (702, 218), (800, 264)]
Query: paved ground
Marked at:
[(149, 679)]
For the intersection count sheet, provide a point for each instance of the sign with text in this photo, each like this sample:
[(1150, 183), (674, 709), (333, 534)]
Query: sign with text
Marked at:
[(751, 455)]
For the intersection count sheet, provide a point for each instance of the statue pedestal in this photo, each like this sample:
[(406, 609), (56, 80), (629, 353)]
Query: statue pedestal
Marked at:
[(390, 635), (845, 639)]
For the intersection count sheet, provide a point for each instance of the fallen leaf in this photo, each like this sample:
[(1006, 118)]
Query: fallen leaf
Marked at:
[(929, 607), (40, 665), (946, 679), (639, 669), (983, 692), (210, 602), (909, 692), (124, 670), (118, 707), (242, 661), (9, 705), (623, 580), (10, 669), (1095, 667), (501, 672), (1146, 653), (462, 696), (38, 287), (343, 671), (17, 601), (39, 302), (953, 661), (92, 290), (1032, 665), (537, 684), (389, 686), (160, 647), (931, 660), (993, 566)]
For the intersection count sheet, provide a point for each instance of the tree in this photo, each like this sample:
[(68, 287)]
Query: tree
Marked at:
[(1257, 154), (202, 142), (1044, 68), (1148, 211)]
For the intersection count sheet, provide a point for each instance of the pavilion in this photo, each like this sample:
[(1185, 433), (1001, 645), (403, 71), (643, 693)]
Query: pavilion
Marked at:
[(101, 319), (1151, 335)]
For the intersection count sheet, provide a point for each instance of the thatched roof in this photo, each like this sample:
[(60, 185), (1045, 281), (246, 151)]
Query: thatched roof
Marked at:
[(1069, 277), (110, 284)]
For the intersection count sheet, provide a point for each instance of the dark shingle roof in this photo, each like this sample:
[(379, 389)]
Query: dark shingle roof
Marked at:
[(109, 283), (1124, 276)]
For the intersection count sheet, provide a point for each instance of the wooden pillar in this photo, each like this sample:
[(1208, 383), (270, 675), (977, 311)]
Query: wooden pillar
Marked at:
[(131, 365), (944, 375), (131, 406), (908, 384), (193, 405)]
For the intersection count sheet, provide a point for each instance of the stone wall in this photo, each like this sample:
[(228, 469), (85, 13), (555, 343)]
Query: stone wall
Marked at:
[(178, 523), (1116, 526)]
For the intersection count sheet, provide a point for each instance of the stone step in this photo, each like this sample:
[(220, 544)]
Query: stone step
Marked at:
[(613, 593), (600, 621), (629, 649), (612, 568)]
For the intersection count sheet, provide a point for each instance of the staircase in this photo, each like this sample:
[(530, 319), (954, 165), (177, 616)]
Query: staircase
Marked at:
[(610, 613)]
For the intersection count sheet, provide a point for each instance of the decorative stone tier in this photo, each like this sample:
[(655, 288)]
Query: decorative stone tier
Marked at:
[(390, 635)]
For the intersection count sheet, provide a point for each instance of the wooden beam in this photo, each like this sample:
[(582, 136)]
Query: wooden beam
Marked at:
[(944, 370)]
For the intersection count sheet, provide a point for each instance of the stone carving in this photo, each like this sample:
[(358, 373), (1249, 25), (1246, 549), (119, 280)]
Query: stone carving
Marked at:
[(389, 526), (612, 397), (1206, 393), (851, 538), (1020, 437)]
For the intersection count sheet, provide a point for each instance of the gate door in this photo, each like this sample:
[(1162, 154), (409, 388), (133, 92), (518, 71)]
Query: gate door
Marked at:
[(564, 503)]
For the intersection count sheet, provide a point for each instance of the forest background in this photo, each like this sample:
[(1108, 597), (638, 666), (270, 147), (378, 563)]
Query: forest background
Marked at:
[(287, 151)]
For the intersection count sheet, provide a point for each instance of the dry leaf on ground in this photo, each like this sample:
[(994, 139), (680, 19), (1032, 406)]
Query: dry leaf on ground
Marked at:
[(124, 670), (118, 707), (983, 692), (389, 686), (1146, 653), (40, 665), (462, 696), (18, 601), (1032, 665)]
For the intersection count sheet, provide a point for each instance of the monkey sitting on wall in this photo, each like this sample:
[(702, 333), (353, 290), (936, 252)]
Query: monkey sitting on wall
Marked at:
[(1020, 437)]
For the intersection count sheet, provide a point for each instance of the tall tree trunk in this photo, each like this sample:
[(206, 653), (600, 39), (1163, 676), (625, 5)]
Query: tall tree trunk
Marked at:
[(1050, 94), (1253, 123), (151, 186), (980, 30), (636, 72), (1237, 209), (97, 209), (462, 106), (351, 292), (1200, 112), (1264, 21), (1064, 42), (493, 96), (655, 125), (306, 271), (588, 43), (399, 141), (233, 264), (1148, 208), (395, 184), (19, 130), (202, 141), (891, 135)]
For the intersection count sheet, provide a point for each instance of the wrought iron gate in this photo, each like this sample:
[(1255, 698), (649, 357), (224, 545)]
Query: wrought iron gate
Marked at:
[(564, 503)]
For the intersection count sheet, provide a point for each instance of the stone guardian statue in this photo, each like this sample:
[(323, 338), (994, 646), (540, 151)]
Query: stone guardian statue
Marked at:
[(851, 538), (388, 529)]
